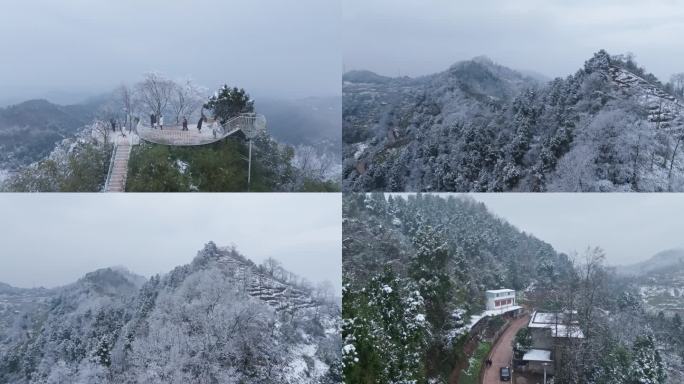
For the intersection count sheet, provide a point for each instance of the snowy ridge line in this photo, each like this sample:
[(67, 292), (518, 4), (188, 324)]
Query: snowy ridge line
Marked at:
[(664, 110), (279, 295)]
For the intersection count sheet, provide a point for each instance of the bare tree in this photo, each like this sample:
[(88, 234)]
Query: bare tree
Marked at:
[(678, 139), (271, 266), (155, 92), (125, 97), (312, 163), (186, 99), (677, 81), (101, 130)]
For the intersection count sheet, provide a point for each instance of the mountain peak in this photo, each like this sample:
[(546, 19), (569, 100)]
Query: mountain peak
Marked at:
[(483, 59), (667, 260), (364, 76), (672, 255)]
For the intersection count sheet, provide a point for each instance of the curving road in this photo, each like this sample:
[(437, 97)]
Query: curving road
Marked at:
[(502, 351)]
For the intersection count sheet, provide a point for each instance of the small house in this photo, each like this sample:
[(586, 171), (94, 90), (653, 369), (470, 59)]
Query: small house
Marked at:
[(498, 299)]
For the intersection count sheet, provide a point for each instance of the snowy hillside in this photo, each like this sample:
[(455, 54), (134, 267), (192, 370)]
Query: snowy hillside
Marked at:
[(660, 281), (416, 268), (479, 126), (30, 130), (672, 259), (220, 319)]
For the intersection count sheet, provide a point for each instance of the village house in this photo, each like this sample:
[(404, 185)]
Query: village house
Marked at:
[(500, 299), (551, 333), (498, 302)]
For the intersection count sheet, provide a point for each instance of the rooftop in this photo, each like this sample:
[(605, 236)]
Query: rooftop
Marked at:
[(561, 324), (537, 355), (499, 290)]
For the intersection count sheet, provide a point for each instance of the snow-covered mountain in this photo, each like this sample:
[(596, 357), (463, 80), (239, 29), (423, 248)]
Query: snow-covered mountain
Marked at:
[(660, 281), (30, 130), (665, 261), (479, 126), (220, 319)]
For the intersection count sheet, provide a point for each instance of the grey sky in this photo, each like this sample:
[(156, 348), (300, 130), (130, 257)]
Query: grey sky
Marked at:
[(630, 227), (53, 239), (552, 37), (277, 48)]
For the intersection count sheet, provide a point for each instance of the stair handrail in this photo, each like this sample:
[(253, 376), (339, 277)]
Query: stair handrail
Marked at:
[(111, 167)]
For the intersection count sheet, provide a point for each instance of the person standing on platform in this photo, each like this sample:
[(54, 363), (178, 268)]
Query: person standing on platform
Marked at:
[(199, 124)]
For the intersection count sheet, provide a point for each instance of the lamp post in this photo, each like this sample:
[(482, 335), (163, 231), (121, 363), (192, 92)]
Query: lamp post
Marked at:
[(545, 365), (251, 125), (249, 166)]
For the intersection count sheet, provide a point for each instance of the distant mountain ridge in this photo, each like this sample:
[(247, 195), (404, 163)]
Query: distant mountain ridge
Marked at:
[(665, 261), (30, 130)]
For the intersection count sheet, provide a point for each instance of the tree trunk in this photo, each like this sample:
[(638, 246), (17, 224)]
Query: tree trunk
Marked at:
[(669, 173)]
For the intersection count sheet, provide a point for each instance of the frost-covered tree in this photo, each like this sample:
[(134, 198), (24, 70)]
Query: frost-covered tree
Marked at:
[(385, 332), (647, 366), (229, 102)]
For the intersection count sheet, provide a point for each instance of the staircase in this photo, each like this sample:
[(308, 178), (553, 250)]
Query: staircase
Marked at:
[(118, 169)]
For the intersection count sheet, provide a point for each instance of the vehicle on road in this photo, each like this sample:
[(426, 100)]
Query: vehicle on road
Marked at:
[(505, 374)]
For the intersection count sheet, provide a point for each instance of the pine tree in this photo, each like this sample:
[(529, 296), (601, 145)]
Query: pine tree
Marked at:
[(384, 331), (103, 354), (647, 366), (229, 102)]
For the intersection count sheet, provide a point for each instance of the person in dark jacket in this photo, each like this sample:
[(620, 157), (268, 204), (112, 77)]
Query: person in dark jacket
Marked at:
[(153, 120), (113, 123), (199, 124), (185, 124)]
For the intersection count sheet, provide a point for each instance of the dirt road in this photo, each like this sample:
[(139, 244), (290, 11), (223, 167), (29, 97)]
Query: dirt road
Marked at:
[(502, 352)]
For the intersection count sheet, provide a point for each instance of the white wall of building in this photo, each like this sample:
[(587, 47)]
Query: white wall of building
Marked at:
[(500, 298)]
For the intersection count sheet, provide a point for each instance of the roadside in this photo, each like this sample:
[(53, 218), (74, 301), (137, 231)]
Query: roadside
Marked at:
[(502, 352)]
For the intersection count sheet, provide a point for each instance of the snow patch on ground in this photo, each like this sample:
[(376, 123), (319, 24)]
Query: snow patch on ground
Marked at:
[(474, 319), (360, 149), (299, 371), (182, 166)]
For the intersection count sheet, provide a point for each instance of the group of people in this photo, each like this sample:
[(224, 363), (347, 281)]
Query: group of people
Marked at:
[(154, 122), (112, 123)]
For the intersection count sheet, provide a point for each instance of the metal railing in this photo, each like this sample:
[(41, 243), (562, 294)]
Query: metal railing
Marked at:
[(111, 168), (250, 124)]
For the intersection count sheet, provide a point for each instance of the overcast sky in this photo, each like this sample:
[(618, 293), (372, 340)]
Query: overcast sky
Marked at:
[(552, 37), (53, 239), (277, 48), (630, 227)]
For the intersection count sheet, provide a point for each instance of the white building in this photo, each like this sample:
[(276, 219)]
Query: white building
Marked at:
[(498, 299)]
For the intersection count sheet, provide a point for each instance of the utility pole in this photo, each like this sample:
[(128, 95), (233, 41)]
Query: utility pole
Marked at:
[(545, 364)]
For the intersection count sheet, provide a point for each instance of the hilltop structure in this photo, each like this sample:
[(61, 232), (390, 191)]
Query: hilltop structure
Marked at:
[(250, 124)]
